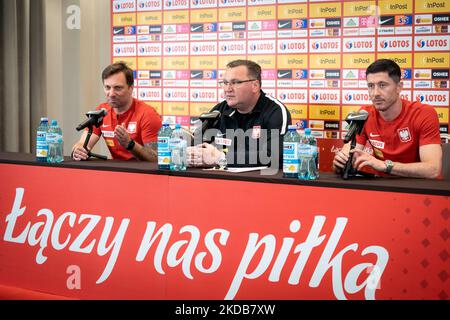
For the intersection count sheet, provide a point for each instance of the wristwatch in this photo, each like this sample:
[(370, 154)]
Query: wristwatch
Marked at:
[(389, 165), (130, 145)]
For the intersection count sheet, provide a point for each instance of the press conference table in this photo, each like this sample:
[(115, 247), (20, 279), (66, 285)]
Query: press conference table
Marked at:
[(126, 230)]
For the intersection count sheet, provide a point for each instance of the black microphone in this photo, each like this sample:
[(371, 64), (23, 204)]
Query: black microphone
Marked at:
[(209, 119), (356, 121), (95, 118)]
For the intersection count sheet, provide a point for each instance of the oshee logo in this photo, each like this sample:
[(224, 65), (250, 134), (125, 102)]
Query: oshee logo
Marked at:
[(432, 98)]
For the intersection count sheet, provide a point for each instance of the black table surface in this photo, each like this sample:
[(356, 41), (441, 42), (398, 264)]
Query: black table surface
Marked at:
[(326, 179)]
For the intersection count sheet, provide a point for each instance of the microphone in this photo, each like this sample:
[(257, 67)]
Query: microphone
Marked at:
[(356, 121), (209, 119), (95, 118)]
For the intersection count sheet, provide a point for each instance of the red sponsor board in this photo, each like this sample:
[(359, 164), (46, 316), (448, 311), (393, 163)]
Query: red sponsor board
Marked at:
[(146, 236)]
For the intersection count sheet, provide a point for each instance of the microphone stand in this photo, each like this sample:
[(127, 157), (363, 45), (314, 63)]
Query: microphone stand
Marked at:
[(91, 154), (349, 170)]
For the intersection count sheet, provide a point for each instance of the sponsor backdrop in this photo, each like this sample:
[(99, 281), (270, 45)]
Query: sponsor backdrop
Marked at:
[(166, 245), (313, 53)]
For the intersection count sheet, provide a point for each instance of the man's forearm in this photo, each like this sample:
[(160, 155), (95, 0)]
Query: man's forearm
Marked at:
[(147, 152)]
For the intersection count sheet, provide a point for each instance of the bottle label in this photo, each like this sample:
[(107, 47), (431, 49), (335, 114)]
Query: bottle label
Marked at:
[(305, 150), (163, 151), (41, 144), (290, 157)]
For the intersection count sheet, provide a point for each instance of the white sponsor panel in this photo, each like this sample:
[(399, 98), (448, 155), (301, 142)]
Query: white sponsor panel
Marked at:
[(292, 96), (203, 48), (422, 84), (232, 3), (350, 84), (124, 50), (317, 83), (432, 43), (268, 83), (120, 6), (149, 5), (359, 44), (386, 31), (434, 97), (350, 32), (203, 95), (325, 45), (367, 31), (261, 46), (325, 96), (198, 4), (300, 83), (232, 47), (317, 33), (149, 49), (124, 39), (404, 30), (423, 29), (390, 44), (356, 97), (261, 2), (293, 46), (149, 94), (176, 94), (406, 95), (423, 19), (176, 4), (176, 49)]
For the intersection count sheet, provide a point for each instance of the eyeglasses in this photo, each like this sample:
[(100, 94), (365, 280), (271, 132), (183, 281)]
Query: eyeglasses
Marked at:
[(233, 83)]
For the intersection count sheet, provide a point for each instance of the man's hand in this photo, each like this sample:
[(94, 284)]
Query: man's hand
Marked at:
[(340, 159), (122, 135), (204, 154), (79, 153), (363, 159)]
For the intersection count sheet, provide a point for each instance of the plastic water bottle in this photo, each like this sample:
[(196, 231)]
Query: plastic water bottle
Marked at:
[(164, 135), (55, 143), (308, 156), (178, 149), (290, 152), (41, 140)]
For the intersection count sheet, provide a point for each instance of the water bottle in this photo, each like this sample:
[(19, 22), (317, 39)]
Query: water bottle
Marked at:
[(55, 143), (41, 141), (308, 156), (163, 147), (290, 152), (178, 149)]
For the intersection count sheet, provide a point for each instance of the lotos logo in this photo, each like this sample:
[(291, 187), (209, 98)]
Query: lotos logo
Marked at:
[(432, 98), (395, 44), (348, 97), (349, 45), (384, 44), (168, 3), (168, 49), (421, 43), (117, 6), (195, 49), (168, 95), (315, 45), (195, 95), (315, 97)]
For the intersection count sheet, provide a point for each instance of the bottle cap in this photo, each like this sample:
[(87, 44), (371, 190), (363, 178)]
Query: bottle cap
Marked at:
[(178, 126), (54, 122), (308, 131)]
